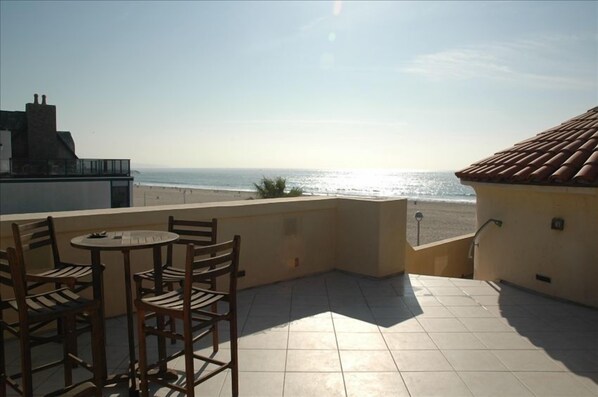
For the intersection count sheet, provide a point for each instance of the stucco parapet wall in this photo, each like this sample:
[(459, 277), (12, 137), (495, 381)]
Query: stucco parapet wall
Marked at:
[(227, 209), (447, 258), (282, 239), (442, 243)]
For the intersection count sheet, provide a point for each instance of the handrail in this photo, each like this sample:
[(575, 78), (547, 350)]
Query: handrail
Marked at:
[(25, 168), (473, 243)]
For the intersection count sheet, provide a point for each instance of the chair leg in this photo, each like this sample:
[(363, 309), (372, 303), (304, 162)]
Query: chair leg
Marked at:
[(142, 353), (188, 346), (26, 365), (172, 319), (2, 361), (233, 354), (96, 349), (215, 339), (68, 323)]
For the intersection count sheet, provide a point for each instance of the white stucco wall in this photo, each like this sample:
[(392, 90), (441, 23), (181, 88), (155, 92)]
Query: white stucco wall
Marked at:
[(526, 245), (26, 197)]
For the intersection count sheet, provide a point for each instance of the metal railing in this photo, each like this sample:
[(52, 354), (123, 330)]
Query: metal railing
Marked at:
[(23, 168)]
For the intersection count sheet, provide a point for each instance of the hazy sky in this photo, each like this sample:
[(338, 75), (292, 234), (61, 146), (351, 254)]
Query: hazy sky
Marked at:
[(301, 84)]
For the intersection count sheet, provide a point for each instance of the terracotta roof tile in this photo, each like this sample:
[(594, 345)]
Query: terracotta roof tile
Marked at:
[(564, 155)]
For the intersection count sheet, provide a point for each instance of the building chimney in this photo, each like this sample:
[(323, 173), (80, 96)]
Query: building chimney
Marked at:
[(42, 142)]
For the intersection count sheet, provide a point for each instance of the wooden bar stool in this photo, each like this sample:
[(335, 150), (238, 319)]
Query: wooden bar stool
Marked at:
[(33, 311), (194, 306), (198, 233)]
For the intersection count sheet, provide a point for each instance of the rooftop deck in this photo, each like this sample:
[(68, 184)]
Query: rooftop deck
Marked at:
[(338, 334)]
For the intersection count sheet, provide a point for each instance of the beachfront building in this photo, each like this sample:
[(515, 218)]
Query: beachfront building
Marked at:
[(541, 198), (40, 171)]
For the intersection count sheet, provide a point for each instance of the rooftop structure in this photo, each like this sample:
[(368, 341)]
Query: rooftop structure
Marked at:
[(542, 195), (566, 155)]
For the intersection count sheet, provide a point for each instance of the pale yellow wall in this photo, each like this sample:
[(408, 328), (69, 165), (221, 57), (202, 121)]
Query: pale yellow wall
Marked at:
[(371, 235), (447, 258), (525, 245), (319, 234)]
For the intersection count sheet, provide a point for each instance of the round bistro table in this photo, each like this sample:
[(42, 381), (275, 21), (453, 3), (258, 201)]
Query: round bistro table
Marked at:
[(125, 241)]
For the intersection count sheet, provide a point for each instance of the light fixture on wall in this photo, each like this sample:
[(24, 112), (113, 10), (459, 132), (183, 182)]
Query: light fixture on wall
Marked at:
[(497, 222)]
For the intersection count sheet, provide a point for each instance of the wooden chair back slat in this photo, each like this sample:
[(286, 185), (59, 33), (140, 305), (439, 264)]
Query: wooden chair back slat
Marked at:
[(223, 261), (182, 222), (17, 274), (185, 241), (4, 268), (191, 232), (212, 262), (196, 233), (34, 235)]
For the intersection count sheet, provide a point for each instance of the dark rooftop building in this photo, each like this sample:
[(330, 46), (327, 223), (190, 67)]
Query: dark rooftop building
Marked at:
[(40, 170), (34, 135)]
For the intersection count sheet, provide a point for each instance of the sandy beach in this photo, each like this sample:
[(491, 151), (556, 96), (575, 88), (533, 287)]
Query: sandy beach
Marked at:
[(441, 219)]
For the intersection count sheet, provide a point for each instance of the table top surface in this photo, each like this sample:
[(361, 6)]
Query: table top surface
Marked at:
[(129, 239)]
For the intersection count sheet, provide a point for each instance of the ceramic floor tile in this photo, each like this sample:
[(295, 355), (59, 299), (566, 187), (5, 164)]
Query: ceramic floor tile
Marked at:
[(312, 340), (262, 360), (457, 301), (312, 324), (589, 380), (310, 300), (431, 384), (266, 323), (456, 340), (274, 309), (442, 325), (264, 340), (527, 360), (470, 311), (271, 299), (398, 312), (360, 341), (479, 290), (354, 325), (485, 325), (446, 291), (553, 384), (420, 301), (504, 340), (313, 361), (405, 325), (379, 384), (409, 341), (473, 360), (432, 312), (576, 360), (304, 384), (421, 360), (394, 301), (494, 384), (262, 384), (367, 361)]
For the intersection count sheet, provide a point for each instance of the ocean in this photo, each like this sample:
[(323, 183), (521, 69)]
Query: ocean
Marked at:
[(417, 185)]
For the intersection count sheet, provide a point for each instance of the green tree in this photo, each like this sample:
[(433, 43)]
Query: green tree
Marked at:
[(274, 188)]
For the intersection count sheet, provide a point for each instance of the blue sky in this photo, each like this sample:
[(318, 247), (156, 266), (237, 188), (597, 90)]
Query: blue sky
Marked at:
[(412, 85)]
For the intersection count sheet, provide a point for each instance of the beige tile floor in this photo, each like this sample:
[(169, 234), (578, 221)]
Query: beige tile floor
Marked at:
[(337, 334)]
